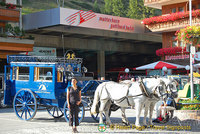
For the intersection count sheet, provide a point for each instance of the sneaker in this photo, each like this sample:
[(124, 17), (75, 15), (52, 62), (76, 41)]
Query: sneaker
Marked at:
[(73, 130)]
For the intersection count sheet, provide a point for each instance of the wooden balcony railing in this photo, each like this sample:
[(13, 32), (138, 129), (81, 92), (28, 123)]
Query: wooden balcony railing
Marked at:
[(9, 14), (14, 46), (172, 26), (159, 3)]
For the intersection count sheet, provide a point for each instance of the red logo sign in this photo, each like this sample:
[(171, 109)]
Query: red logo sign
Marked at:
[(80, 17)]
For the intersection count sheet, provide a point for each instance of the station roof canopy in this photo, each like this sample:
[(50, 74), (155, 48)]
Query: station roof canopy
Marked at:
[(88, 25)]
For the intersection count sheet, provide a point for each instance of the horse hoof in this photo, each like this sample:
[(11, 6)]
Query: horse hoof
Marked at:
[(145, 126), (151, 126), (125, 123)]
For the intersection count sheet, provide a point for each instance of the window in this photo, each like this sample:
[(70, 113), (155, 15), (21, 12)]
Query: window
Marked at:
[(18, 2), (198, 6), (173, 10), (174, 42), (193, 7), (181, 9), (1, 30), (21, 73), (43, 74), (181, 44)]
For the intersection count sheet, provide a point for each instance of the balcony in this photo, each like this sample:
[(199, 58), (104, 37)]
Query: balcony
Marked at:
[(159, 3), (14, 46), (171, 22), (9, 14)]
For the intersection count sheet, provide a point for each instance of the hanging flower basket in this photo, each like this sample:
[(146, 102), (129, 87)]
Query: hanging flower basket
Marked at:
[(189, 35)]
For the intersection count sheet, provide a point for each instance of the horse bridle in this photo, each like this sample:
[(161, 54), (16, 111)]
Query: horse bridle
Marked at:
[(158, 87)]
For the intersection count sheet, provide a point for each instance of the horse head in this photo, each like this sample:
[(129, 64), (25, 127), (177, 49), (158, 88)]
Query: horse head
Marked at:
[(159, 91), (171, 86), (156, 87)]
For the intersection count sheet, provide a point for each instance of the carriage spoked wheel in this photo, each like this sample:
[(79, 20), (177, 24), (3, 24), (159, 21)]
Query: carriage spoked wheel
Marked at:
[(25, 104), (96, 116), (55, 111), (81, 113)]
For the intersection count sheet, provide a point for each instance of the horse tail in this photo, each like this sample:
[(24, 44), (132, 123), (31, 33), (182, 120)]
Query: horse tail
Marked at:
[(96, 98)]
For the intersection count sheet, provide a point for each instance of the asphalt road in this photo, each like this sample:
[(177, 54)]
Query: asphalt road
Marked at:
[(43, 123)]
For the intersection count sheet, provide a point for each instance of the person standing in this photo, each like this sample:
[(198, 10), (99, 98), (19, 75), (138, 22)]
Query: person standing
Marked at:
[(73, 100)]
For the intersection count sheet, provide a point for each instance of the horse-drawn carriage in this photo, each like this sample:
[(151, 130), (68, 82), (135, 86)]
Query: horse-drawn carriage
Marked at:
[(36, 82)]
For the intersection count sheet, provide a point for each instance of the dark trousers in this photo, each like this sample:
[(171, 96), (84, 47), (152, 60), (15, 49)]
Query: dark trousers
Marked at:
[(73, 114)]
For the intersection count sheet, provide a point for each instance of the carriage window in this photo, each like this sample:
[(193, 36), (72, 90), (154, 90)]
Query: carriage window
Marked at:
[(59, 76), (20, 73), (43, 74)]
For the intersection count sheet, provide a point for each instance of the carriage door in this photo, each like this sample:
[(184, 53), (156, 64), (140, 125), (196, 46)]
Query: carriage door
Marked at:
[(7, 85)]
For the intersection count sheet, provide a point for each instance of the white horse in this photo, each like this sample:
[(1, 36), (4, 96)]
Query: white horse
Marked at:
[(170, 87), (125, 95)]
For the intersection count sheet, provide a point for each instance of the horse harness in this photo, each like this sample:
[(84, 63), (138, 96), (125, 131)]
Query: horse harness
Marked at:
[(143, 89)]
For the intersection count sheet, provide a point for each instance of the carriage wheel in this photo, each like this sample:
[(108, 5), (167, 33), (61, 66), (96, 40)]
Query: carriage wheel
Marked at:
[(55, 111), (81, 113), (96, 116), (25, 104)]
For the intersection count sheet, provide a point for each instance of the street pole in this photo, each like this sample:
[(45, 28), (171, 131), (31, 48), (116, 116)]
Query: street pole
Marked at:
[(191, 74), (191, 55), (20, 15)]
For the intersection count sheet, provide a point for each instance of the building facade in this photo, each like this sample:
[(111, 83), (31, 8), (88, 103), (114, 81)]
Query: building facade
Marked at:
[(175, 16), (11, 42), (103, 41)]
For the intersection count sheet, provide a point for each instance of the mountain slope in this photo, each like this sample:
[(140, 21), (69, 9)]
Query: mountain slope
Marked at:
[(30, 6)]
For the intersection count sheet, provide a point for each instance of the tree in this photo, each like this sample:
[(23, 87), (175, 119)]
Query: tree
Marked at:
[(118, 8), (96, 7), (108, 7), (132, 10), (137, 10), (148, 12)]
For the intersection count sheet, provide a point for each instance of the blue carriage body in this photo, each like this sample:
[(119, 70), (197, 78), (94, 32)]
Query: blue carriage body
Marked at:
[(47, 80)]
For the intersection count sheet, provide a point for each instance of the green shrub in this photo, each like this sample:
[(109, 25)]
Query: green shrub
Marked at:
[(15, 31), (190, 104)]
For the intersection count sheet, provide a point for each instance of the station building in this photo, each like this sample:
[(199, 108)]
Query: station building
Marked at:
[(104, 42)]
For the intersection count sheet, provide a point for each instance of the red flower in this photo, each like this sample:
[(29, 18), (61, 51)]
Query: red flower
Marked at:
[(170, 17), (170, 51)]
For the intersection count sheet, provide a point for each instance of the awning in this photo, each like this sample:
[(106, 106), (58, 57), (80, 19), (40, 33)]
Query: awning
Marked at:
[(159, 65)]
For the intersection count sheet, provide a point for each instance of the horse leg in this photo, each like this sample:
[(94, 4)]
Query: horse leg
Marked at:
[(101, 110), (146, 108), (124, 119), (107, 108), (151, 112), (138, 106)]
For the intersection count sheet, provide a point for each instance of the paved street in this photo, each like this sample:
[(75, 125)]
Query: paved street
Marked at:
[(43, 123)]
